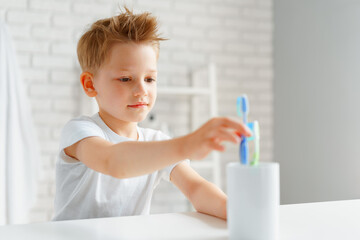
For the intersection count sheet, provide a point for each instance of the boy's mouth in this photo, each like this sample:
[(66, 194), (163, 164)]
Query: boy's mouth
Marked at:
[(138, 105)]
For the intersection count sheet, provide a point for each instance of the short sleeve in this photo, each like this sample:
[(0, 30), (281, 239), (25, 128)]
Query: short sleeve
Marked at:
[(77, 129), (165, 172)]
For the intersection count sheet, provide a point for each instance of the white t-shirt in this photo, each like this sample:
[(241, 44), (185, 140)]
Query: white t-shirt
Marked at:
[(84, 193)]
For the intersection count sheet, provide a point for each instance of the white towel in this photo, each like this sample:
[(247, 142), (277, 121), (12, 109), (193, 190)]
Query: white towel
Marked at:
[(19, 154)]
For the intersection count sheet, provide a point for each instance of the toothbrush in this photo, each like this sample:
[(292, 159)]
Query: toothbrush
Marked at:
[(256, 134), (242, 111)]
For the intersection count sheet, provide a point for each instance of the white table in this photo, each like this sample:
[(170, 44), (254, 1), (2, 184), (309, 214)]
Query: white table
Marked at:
[(327, 220)]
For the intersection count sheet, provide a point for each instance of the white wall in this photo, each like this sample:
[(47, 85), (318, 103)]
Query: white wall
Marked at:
[(235, 34), (317, 86)]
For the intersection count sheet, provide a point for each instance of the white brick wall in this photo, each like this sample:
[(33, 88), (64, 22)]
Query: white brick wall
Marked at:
[(235, 34)]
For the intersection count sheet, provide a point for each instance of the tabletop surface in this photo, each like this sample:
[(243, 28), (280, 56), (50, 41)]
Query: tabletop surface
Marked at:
[(325, 220)]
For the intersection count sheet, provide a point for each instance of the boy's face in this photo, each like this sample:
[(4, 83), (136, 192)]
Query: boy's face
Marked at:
[(126, 82)]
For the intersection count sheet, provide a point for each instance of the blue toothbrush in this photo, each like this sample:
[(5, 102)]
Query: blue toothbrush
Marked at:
[(243, 111)]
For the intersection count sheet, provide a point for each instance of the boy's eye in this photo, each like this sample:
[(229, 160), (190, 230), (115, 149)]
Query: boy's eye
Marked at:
[(125, 79), (150, 80)]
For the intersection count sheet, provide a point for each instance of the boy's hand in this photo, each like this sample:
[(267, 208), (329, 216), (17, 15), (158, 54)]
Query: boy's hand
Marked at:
[(209, 136)]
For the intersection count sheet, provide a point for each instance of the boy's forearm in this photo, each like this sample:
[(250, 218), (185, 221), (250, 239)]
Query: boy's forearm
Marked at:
[(131, 159), (209, 199)]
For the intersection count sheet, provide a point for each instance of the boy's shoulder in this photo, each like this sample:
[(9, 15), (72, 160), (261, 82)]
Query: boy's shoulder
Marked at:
[(79, 128), (82, 124)]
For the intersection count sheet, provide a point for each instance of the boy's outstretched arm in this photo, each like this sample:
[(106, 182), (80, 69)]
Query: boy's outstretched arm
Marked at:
[(204, 196), (131, 159)]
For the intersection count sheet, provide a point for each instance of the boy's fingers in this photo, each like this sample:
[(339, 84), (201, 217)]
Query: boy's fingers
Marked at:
[(216, 146), (225, 135), (241, 128)]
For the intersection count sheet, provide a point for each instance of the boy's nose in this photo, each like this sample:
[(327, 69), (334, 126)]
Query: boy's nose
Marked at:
[(140, 89)]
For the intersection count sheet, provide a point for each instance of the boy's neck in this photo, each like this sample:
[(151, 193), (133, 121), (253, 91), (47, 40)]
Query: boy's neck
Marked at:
[(122, 128)]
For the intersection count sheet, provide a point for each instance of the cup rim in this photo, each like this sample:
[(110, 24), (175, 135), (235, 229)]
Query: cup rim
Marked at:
[(260, 165)]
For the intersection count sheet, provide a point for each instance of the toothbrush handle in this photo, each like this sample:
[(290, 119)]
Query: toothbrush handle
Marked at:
[(244, 149)]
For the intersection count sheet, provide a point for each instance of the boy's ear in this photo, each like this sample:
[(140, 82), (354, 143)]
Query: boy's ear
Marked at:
[(86, 80)]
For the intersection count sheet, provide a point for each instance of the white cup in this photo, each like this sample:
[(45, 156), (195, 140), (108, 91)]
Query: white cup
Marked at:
[(253, 201)]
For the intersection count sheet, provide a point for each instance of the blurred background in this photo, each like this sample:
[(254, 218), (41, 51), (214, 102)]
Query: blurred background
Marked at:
[(295, 60)]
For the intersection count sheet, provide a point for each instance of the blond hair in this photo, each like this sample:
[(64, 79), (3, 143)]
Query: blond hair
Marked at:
[(93, 47)]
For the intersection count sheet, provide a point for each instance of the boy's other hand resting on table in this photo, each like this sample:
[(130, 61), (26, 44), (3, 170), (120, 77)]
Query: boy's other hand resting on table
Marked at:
[(204, 195)]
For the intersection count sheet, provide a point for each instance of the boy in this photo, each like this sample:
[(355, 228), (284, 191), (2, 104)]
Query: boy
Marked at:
[(107, 165)]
